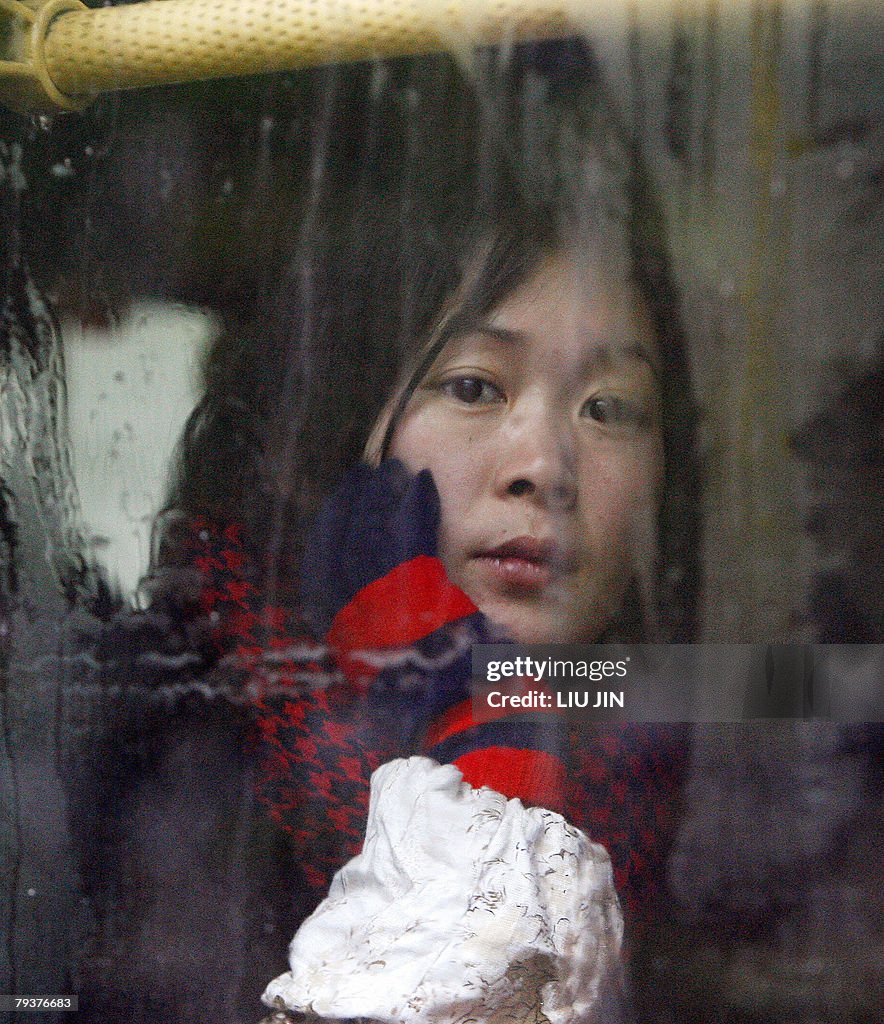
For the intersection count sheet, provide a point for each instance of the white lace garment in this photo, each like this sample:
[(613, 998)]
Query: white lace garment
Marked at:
[(463, 907)]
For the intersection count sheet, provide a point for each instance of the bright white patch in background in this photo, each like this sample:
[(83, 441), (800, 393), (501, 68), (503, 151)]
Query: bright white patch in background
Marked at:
[(130, 390)]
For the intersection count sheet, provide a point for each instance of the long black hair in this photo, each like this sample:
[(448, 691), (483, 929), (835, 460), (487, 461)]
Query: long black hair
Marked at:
[(430, 180)]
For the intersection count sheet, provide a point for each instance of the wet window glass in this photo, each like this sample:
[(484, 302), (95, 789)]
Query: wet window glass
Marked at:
[(339, 343)]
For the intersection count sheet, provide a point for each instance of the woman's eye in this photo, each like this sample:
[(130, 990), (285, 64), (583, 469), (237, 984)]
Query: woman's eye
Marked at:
[(614, 411), (472, 391)]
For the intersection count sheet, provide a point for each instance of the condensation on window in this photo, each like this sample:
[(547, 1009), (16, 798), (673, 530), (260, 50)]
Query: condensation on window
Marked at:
[(130, 387), (184, 375)]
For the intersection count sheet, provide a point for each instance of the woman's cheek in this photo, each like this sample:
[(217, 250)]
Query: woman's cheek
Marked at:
[(637, 515), (455, 512), (620, 514)]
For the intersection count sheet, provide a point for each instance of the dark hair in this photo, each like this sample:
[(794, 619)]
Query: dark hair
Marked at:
[(467, 180)]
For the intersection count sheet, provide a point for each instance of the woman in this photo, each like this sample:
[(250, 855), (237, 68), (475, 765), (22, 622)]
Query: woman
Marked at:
[(508, 273)]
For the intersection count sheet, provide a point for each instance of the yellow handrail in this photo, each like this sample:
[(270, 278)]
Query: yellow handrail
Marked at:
[(58, 54)]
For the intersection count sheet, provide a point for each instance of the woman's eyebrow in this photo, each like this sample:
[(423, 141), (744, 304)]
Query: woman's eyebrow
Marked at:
[(640, 353), (605, 356), (600, 355), (504, 334)]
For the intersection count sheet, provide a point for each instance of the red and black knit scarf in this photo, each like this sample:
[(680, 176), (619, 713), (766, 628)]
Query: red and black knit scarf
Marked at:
[(318, 740)]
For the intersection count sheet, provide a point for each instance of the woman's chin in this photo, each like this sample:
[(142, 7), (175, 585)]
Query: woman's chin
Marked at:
[(540, 625)]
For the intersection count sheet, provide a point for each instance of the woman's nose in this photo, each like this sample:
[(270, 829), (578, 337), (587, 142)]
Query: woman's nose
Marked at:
[(537, 459)]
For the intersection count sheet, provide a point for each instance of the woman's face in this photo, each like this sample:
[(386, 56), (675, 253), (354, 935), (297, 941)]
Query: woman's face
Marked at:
[(541, 428)]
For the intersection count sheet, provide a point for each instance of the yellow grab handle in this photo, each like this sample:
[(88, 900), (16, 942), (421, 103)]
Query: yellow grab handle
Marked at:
[(76, 52)]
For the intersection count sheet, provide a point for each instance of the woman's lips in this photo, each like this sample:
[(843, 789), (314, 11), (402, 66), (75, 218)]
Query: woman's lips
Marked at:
[(523, 564)]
